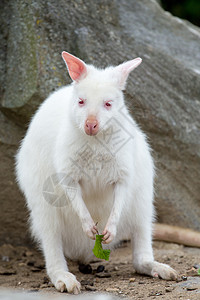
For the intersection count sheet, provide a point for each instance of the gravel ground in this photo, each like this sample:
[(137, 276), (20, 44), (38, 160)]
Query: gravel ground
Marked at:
[(23, 269)]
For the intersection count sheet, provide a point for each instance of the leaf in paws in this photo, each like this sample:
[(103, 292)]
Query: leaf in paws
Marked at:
[(98, 250)]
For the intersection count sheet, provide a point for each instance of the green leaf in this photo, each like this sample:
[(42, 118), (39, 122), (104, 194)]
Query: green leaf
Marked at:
[(198, 271), (98, 251)]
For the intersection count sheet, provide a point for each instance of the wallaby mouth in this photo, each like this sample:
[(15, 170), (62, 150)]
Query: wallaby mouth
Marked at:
[(91, 134)]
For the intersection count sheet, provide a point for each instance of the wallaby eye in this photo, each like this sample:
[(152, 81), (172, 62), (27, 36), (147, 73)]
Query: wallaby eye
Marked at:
[(81, 102), (108, 104)]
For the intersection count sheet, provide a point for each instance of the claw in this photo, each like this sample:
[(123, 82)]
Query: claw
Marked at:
[(76, 291), (94, 230), (106, 235), (109, 234), (62, 289)]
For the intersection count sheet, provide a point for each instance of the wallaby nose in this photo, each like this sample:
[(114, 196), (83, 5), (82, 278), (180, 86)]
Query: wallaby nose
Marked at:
[(91, 125)]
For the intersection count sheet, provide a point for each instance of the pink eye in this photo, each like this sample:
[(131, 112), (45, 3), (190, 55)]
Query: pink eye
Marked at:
[(107, 104), (81, 102)]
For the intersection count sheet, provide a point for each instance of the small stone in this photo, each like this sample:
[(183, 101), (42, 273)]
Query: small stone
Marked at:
[(21, 264), (40, 265), (45, 279), (35, 285), (103, 275), (183, 277), (100, 268), (85, 269), (28, 253), (30, 263), (132, 279), (169, 289), (141, 282), (87, 282), (43, 286), (153, 293), (90, 288), (112, 290), (5, 258), (116, 268), (192, 287), (196, 266), (168, 258), (35, 270)]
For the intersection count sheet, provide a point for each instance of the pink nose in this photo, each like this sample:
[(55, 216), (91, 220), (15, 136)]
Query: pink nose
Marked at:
[(91, 125)]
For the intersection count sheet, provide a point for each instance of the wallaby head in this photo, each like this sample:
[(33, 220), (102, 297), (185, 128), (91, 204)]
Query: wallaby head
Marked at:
[(97, 93)]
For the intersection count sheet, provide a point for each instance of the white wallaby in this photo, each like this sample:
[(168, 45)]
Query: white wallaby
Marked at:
[(85, 160)]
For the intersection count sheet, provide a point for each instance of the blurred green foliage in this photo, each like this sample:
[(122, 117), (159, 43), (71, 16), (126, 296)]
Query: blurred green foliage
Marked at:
[(185, 9)]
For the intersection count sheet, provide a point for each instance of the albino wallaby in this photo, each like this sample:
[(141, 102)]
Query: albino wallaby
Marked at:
[(85, 160)]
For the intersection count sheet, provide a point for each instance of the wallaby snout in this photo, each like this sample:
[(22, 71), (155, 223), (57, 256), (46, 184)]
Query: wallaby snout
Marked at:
[(91, 125)]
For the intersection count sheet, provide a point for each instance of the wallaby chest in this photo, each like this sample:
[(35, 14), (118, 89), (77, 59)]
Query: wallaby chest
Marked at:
[(95, 164)]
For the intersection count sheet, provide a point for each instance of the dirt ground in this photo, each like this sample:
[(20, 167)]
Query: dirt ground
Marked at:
[(23, 268)]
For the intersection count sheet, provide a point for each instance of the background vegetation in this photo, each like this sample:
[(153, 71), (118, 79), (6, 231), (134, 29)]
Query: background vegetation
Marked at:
[(185, 9)]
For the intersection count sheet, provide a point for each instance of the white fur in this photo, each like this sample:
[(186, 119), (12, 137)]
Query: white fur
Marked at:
[(114, 187)]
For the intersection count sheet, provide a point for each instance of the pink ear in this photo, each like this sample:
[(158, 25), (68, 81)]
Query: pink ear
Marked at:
[(75, 66), (124, 69)]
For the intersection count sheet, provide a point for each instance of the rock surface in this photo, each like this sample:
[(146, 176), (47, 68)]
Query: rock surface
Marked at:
[(163, 94), (13, 295)]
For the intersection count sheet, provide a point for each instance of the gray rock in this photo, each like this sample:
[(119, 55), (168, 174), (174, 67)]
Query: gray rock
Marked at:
[(30, 295), (163, 93), (192, 284)]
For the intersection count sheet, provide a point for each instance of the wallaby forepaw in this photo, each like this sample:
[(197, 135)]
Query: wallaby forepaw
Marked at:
[(67, 282), (163, 271), (90, 229)]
